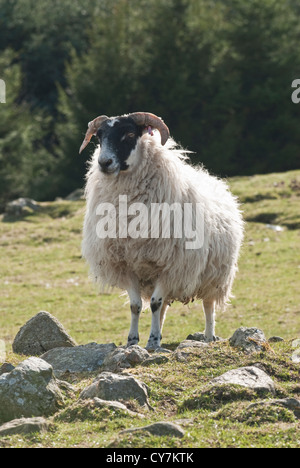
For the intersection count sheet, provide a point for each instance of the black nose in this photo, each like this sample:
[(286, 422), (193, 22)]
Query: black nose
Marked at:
[(104, 164)]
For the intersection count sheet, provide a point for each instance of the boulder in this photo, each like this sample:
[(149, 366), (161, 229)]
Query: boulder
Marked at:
[(296, 343), (114, 406), (251, 377), (21, 207), (275, 339), (188, 348), (124, 358), (40, 334), (25, 426), (29, 390), (249, 339), (115, 387), (77, 194), (198, 336), (163, 428), (6, 367), (84, 358), (192, 344), (291, 404), (296, 356)]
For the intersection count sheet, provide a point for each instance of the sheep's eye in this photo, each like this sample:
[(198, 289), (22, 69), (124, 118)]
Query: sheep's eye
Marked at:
[(128, 136)]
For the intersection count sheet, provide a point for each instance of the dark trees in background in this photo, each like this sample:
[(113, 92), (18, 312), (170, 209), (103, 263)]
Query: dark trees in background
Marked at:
[(218, 72)]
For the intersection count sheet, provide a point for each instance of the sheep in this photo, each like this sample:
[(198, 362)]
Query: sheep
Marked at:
[(137, 159)]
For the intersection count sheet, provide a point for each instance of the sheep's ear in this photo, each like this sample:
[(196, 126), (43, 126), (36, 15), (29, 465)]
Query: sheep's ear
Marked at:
[(93, 128)]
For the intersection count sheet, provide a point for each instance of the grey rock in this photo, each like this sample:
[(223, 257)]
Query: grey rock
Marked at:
[(198, 336), (290, 403), (29, 390), (189, 348), (192, 344), (109, 404), (21, 207), (40, 334), (77, 194), (124, 358), (114, 406), (249, 339), (84, 358), (25, 426), (275, 339), (275, 227), (296, 356), (68, 390), (251, 377), (158, 429), (296, 343), (6, 367), (115, 387)]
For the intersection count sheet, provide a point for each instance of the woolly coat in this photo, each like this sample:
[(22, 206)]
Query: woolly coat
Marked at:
[(162, 175)]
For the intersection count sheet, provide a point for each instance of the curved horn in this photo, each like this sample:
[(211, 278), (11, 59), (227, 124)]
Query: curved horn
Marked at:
[(93, 128), (146, 119)]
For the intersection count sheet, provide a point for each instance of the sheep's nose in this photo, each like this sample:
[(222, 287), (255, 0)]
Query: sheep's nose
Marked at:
[(105, 163)]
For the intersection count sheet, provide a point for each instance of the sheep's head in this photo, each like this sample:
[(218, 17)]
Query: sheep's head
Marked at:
[(118, 137)]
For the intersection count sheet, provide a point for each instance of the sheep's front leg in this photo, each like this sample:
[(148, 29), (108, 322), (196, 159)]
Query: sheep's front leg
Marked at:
[(158, 308), (209, 310), (136, 308)]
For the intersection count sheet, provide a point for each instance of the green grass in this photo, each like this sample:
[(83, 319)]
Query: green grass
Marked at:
[(42, 269)]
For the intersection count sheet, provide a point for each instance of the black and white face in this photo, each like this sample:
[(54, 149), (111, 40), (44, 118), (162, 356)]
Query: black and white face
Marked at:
[(118, 140)]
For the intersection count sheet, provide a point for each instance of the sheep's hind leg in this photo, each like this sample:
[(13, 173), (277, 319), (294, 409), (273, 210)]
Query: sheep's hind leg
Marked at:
[(158, 308), (209, 310), (136, 308)]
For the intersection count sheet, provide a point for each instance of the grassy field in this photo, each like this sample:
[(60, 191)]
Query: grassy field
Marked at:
[(42, 269)]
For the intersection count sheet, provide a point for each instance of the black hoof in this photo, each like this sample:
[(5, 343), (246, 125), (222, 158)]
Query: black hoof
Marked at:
[(132, 340)]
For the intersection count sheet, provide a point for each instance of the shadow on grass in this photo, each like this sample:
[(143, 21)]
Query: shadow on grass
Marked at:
[(271, 218)]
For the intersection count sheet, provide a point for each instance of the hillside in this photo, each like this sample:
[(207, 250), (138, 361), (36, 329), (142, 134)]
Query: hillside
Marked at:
[(42, 269)]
